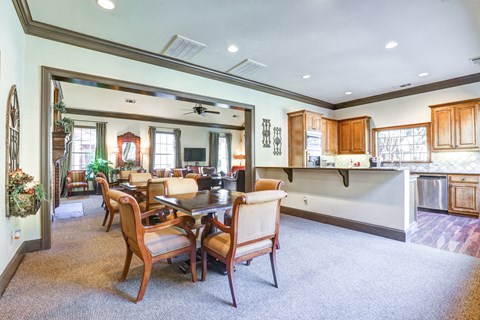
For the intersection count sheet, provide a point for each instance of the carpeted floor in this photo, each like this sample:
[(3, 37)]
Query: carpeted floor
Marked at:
[(325, 272), (68, 210)]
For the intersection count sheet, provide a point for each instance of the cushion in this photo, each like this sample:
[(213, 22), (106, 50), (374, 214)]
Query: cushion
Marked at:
[(220, 243), (166, 240), (77, 185), (143, 206), (114, 205)]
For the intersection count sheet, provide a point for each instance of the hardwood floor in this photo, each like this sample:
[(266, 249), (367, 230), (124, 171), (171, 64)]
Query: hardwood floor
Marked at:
[(448, 232)]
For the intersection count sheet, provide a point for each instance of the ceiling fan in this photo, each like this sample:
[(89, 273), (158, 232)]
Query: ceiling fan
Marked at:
[(201, 110)]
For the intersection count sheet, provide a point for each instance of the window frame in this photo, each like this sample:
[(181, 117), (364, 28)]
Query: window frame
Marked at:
[(95, 144), (428, 125), (157, 141)]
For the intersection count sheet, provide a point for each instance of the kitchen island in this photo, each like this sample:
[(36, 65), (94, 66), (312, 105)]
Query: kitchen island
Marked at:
[(373, 200)]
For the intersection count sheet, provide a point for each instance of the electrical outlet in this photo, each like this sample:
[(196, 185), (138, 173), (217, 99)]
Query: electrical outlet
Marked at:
[(305, 200), (16, 234)]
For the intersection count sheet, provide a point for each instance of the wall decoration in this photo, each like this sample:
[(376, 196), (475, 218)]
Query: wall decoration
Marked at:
[(23, 194), (277, 141), (266, 133)]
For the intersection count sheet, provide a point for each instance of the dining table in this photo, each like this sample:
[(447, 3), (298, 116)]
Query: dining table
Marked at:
[(205, 202), (137, 190)]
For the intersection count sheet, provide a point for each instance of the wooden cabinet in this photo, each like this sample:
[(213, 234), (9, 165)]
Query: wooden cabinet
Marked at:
[(298, 123), (455, 125), (463, 194), (354, 136), (329, 136)]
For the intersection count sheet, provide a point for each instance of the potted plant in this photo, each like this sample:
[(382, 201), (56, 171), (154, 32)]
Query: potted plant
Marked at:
[(66, 124), (96, 166), (129, 165), (24, 194)]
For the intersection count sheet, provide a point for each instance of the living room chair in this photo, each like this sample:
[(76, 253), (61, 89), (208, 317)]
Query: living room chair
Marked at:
[(235, 183), (203, 182), (155, 187), (111, 206), (153, 243), (76, 179), (253, 232)]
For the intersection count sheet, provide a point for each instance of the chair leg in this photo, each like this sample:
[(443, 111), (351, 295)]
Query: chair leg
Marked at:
[(204, 265), (231, 282), (110, 221), (105, 218), (249, 262), (193, 263), (147, 270), (126, 266), (278, 244), (273, 262)]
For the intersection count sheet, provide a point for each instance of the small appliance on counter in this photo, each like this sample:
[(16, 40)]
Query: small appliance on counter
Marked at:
[(375, 162)]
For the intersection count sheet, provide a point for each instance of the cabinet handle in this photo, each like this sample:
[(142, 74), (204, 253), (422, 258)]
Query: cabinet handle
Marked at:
[(463, 179)]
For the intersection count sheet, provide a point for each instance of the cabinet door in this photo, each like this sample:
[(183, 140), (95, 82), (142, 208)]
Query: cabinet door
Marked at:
[(465, 127), (358, 136), (463, 198), (443, 128), (317, 123), (296, 141), (309, 122), (345, 137), (329, 137)]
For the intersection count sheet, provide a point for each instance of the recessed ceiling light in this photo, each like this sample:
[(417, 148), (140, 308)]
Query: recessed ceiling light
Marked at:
[(232, 49), (391, 45), (348, 93), (307, 76), (423, 74), (106, 4)]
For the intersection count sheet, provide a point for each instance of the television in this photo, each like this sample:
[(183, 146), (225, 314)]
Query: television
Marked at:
[(194, 154)]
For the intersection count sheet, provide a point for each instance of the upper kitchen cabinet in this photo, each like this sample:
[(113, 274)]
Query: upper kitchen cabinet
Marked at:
[(354, 136), (455, 125), (299, 122), (329, 136)]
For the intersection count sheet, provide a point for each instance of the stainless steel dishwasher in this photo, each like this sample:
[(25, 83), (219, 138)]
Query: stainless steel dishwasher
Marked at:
[(432, 192)]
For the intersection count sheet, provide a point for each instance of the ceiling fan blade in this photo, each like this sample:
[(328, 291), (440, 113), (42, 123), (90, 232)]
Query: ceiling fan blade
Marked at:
[(189, 113), (214, 112)]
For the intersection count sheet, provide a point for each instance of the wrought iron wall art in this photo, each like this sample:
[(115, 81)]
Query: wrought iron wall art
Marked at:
[(277, 141), (266, 133), (13, 131)]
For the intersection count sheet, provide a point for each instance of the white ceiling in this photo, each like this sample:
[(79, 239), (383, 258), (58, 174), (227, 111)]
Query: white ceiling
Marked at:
[(92, 98), (340, 43)]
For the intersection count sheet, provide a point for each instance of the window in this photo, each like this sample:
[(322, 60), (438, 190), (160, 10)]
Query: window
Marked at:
[(83, 146), (222, 155), (410, 143), (164, 150)]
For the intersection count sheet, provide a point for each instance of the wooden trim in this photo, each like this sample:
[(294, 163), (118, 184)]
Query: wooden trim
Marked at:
[(139, 117), (355, 118), (471, 78), (9, 272), (385, 232), (455, 103), (46, 151), (407, 126), (50, 32)]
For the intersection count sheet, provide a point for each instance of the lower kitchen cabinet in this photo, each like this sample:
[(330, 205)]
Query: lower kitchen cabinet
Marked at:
[(464, 194)]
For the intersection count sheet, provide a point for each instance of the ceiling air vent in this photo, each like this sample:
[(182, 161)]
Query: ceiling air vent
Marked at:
[(129, 100), (182, 48), (246, 67), (405, 85), (475, 61)]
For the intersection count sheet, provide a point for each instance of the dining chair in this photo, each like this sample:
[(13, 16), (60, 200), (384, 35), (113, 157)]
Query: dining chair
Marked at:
[(76, 179), (111, 206), (139, 177), (253, 232), (155, 187), (125, 174), (151, 244), (203, 182)]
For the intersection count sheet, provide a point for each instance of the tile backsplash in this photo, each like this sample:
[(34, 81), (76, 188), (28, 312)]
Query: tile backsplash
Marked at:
[(444, 162)]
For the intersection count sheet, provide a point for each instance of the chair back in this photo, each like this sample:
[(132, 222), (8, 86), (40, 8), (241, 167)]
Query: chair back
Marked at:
[(139, 177), (179, 186), (155, 187), (77, 175), (129, 219), (256, 215), (162, 173), (209, 171), (101, 175), (105, 192), (192, 176), (179, 172), (124, 174), (268, 184)]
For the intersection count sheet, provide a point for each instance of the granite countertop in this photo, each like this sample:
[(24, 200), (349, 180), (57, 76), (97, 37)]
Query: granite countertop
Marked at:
[(334, 168), (444, 173)]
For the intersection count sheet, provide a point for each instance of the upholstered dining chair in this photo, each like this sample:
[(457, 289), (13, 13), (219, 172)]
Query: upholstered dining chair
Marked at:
[(253, 232), (162, 173), (124, 174), (155, 187), (76, 179), (111, 206), (179, 172), (203, 182), (153, 243), (139, 177)]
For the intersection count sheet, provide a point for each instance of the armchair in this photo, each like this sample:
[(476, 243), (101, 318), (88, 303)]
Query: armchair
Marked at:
[(254, 232), (235, 183), (203, 182), (153, 243), (76, 179)]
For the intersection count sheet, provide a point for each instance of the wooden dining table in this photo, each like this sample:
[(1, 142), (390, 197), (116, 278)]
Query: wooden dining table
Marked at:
[(136, 190), (209, 202)]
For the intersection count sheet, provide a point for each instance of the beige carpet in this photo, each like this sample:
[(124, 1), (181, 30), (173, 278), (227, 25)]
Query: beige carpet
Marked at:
[(325, 272), (68, 210)]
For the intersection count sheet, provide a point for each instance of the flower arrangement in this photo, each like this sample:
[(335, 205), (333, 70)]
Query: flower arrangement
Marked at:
[(25, 194)]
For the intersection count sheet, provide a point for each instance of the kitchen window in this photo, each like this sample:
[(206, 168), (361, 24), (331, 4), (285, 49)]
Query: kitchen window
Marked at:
[(83, 146), (408, 143)]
